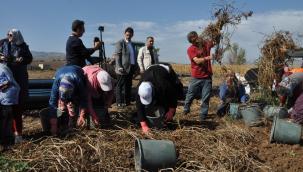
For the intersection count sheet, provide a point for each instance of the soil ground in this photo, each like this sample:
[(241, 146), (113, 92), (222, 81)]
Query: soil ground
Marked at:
[(219, 144)]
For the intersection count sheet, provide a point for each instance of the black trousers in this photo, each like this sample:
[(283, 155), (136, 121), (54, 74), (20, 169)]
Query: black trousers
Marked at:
[(6, 123), (124, 86)]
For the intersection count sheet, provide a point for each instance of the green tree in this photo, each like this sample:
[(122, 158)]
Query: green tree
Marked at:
[(236, 54)]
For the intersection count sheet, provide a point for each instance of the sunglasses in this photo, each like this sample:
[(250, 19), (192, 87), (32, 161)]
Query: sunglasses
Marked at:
[(10, 35)]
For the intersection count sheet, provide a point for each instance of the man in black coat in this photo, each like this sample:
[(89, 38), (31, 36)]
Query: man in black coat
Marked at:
[(76, 52)]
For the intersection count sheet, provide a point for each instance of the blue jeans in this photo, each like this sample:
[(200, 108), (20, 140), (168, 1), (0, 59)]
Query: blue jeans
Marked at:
[(196, 87)]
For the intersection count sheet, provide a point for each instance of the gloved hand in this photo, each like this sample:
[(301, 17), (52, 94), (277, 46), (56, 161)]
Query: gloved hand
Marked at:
[(121, 70), (170, 114), (95, 120), (61, 105), (71, 109), (145, 128), (81, 119), (19, 59)]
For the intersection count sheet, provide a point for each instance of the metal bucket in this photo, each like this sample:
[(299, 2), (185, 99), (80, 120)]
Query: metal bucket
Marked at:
[(153, 155), (271, 111), (251, 114), (44, 118), (103, 116), (234, 111), (283, 131), (156, 119)]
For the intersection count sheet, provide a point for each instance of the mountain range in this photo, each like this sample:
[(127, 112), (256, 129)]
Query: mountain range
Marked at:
[(46, 56)]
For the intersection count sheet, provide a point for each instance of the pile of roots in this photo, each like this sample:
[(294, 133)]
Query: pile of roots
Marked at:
[(273, 57)]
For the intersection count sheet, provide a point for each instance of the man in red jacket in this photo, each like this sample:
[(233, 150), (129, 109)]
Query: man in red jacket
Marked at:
[(201, 72)]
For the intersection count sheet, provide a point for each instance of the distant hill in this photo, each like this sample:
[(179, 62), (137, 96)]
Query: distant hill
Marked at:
[(47, 56)]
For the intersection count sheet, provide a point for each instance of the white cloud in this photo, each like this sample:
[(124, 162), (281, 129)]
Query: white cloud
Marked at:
[(171, 37), (140, 25)]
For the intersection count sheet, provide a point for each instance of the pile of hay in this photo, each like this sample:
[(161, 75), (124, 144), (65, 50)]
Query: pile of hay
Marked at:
[(113, 150), (273, 56)]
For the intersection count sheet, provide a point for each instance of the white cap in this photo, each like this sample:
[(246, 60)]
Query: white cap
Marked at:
[(145, 92), (104, 80)]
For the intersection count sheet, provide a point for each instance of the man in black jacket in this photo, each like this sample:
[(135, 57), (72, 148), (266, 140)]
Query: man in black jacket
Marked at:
[(158, 88), (76, 52)]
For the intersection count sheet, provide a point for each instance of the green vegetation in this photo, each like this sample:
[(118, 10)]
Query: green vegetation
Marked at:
[(12, 165)]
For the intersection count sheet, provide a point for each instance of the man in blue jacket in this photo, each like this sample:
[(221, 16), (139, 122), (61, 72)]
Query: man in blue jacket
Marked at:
[(68, 96)]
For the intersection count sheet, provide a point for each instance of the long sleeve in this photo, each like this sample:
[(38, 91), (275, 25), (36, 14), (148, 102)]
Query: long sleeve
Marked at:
[(53, 101), (242, 95), (140, 59), (140, 110), (118, 54), (156, 57), (223, 92), (26, 55), (82, 90), (91, 110), (85, 52), (108, 98)]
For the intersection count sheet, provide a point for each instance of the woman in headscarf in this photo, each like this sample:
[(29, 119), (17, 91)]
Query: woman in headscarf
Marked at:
[(68, 97), (16, 54)]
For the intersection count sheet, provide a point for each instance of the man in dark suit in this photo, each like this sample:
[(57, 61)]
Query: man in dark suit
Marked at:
[(126, 65)]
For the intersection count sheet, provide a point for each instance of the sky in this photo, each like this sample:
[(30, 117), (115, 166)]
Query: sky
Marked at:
[(46, 25)]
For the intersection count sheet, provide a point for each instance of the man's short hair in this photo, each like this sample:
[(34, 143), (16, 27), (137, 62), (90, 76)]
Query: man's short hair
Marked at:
[(77, 24), (149, 37), (130, 30), (190, 35)]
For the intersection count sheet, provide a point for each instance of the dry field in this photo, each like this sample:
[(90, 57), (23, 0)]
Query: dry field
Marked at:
[(221, 144)]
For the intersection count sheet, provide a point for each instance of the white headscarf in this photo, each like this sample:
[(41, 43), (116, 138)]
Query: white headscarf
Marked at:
[(17, 36)]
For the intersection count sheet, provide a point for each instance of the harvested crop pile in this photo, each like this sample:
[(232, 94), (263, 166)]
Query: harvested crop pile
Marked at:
[(226, 16), (272, 59)]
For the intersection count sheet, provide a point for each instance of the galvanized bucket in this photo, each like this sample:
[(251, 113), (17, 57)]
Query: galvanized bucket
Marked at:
[(234, 111), (251, 114), (154, 155), (283, 131), (271, 111)]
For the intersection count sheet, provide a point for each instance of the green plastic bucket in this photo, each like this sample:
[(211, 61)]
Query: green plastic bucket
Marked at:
[(153, 155), (251, 114), (234, 111), (271, 111), (283, 131)]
